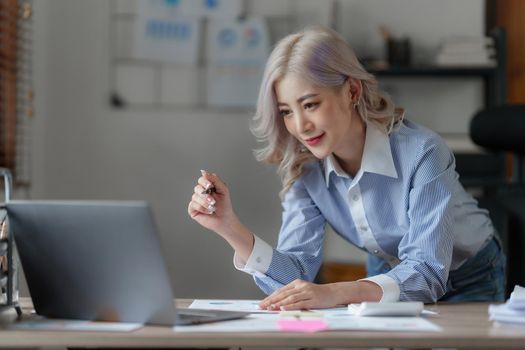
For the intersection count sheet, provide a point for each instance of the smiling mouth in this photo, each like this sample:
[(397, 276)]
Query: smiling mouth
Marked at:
[(314, 140)]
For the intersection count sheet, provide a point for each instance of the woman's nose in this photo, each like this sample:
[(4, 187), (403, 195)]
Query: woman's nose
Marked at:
[(302, 123)]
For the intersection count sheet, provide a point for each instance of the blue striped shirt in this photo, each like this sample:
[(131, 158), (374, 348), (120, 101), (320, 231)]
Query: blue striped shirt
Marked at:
[(404, 205)]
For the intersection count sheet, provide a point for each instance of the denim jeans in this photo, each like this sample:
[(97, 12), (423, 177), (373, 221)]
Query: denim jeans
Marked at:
[(480, 278)]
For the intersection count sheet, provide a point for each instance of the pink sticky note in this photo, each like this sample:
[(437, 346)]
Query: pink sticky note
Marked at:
[(308, 326)]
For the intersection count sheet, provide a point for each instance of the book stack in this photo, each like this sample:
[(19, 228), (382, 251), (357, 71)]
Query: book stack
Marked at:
[(513, 311), (469, 51)]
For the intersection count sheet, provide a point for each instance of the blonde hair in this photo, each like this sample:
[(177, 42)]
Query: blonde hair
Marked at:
[(324, 58)]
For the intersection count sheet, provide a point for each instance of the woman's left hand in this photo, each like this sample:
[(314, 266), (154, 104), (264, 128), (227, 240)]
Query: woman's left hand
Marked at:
[(302, 295)]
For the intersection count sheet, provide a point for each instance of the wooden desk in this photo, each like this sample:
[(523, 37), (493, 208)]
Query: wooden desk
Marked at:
[(464, 326)]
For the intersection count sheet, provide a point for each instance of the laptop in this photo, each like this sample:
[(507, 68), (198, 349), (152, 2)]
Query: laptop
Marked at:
[(98, 260)]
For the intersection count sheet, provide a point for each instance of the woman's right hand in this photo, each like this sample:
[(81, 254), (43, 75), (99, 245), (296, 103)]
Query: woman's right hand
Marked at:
[(213, 210)]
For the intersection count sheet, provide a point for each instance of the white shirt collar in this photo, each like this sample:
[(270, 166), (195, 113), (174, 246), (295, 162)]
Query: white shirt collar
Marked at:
[(377, 156)]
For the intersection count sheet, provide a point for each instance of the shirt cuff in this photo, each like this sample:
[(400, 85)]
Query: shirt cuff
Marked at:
[(388, 285), (258, 261)]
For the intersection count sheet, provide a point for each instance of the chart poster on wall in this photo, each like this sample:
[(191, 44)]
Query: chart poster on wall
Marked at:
[(193, 8), (237, 52), (211, 8), (162, 34)]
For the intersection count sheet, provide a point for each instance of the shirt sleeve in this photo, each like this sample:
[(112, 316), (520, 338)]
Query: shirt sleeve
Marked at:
[(258, 261), (299, 250), (426, 249), (388, 285)]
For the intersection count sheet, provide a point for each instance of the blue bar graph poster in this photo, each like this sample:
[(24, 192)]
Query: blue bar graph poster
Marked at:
[(163, 34)]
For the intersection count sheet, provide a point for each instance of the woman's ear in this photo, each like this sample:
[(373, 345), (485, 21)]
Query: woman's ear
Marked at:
[(354, 89)]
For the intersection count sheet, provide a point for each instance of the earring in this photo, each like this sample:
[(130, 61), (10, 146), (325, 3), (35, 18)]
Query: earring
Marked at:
[(303, 149)]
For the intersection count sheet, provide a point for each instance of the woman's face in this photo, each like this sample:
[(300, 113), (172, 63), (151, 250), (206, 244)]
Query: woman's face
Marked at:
[(322, 119)]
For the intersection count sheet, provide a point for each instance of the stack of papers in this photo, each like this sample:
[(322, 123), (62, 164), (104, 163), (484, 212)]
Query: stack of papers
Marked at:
[(513, 311), (468, 51), (400, 308)]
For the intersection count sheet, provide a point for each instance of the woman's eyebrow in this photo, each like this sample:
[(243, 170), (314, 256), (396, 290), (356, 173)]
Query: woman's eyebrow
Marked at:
[(300, 99), (305, 97)]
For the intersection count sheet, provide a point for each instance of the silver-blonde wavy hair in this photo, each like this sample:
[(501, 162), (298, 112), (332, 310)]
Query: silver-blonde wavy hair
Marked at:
[(324, 58)]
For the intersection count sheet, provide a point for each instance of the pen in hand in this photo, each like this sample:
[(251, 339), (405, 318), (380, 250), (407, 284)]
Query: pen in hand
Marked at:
[(209, 190)]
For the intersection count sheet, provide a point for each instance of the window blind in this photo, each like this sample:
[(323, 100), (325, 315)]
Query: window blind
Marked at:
[(16, 87)]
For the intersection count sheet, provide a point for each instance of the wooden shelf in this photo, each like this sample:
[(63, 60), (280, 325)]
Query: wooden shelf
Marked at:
[(433, 71), (493, 76)]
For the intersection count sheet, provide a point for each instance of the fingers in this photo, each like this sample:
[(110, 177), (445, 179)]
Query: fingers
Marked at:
[(195, 209), (201, 203), (205, 182), (300, 305), (191, 211), (270, 301), (210, 180), (203, 200), (291, 293), (201, 197), (291, 298)]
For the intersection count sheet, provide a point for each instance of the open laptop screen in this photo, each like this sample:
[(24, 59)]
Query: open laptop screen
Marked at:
[(98, 260)]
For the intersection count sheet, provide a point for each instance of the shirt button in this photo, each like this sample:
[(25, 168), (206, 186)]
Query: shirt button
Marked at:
[(258, 260), (355, 197), (364, 228), (376, 251)]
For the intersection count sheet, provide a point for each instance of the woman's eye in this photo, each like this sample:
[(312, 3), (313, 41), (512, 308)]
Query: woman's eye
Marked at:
[(284, 112), (310, 105)]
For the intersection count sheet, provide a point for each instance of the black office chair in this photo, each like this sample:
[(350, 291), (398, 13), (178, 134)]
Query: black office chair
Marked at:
[(502, 129)]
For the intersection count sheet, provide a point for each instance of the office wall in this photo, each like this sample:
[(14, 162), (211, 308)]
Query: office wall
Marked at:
[(82, 148), (85, 149)]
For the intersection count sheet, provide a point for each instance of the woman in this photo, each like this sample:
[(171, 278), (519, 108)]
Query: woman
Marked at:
[(348, 158)]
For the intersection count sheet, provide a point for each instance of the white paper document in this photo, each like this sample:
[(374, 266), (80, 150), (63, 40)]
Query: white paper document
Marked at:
[(513, 311), (44, 324), (517, 298), (397, 324), (252, 323), (340, 319), (337, 319), (229, 305)]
